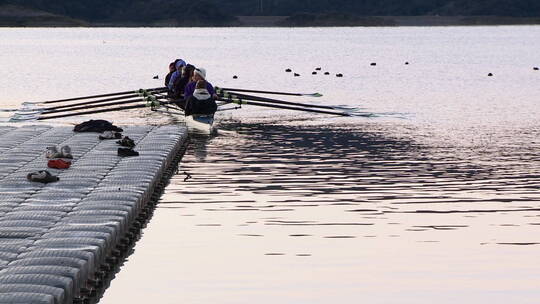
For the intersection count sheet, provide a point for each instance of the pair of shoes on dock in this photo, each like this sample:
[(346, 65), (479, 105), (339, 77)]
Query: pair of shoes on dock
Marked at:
[(129, 144), (126, 142), (53, 152), (127, 152), (42, 176), (110, 135)]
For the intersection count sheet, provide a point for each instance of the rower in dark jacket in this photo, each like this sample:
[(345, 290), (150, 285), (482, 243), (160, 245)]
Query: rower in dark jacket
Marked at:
[(201, 102), (172, 69)]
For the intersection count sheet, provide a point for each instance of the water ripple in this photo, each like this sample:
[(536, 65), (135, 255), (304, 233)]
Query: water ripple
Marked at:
[(322, 178)]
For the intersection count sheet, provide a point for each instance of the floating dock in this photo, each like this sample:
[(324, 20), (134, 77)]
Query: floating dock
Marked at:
[(58, 241)]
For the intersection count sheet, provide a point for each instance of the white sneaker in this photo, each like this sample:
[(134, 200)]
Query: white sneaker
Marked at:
[(107, 135), (65, 151), (52, 152)]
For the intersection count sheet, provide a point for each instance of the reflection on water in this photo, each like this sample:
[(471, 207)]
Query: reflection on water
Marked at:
[(283, 168), (361, 205)]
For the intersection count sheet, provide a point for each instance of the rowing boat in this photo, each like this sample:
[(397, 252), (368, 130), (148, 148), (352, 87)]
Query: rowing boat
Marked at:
[(201, 123)]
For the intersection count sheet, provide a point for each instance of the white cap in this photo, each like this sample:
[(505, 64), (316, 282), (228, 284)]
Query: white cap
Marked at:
[(201, 72)]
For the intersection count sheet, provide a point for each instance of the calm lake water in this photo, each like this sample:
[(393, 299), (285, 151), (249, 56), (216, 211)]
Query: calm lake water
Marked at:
[(433, 199)]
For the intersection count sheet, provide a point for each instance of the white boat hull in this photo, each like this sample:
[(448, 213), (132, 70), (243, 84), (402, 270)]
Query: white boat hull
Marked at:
[(201, 123)]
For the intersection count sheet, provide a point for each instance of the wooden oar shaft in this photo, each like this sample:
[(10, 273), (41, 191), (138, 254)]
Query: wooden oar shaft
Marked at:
[(266, 92), (264, 99), (101, 95), (261, 104), (93, 112)]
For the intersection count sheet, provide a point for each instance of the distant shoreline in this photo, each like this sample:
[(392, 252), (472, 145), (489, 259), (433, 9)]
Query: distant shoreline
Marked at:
[(12, 16), (392, 21)]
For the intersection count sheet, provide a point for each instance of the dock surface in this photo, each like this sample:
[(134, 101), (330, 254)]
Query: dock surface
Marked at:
[(58, 239)]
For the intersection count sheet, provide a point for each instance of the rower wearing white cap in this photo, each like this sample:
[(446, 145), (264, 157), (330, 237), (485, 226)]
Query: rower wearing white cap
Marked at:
[(199, 74)]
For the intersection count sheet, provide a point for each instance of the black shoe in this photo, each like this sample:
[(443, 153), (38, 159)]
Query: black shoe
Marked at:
[(42, 177), (127, 152), (126, 142)]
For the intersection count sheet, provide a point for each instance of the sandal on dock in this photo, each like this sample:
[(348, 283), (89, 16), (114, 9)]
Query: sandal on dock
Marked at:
[(42, 176)]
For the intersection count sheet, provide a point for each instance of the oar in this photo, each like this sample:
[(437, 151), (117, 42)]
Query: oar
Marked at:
[(32, 118), (147, 98), (98, 105), (270, 100), (269, 92), (262, 104), (72, 105), (144, 93), (97, 96)]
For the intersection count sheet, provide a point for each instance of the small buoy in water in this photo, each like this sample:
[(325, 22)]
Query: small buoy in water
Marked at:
[(326, 73), (296, 74), (406, 63), (373, 64), (536, 68), (235, 77), (339, 75), (314, 73), (156, 77), (288, 70), (317, 69), (490, 74)]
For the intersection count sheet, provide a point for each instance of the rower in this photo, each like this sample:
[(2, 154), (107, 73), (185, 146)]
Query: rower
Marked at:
[(181, 82), (199, 74), (200, 95), (201, 102), (172, 69), (179, 64)]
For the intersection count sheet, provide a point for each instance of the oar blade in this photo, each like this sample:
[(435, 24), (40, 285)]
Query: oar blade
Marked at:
[(23, 118)]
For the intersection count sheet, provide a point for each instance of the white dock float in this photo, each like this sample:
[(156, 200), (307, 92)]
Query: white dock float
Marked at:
[(57, 240)]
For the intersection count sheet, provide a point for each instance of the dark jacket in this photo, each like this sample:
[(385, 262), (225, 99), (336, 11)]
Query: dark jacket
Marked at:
[(168, 78), (181, 82), (200, 106), (178, 87)]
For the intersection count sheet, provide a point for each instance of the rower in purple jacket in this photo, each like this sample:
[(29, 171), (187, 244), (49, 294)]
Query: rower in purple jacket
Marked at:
[(179, 64), (199, 74)]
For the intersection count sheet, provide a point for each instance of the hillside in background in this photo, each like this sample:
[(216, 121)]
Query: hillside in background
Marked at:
[(302, 12)]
